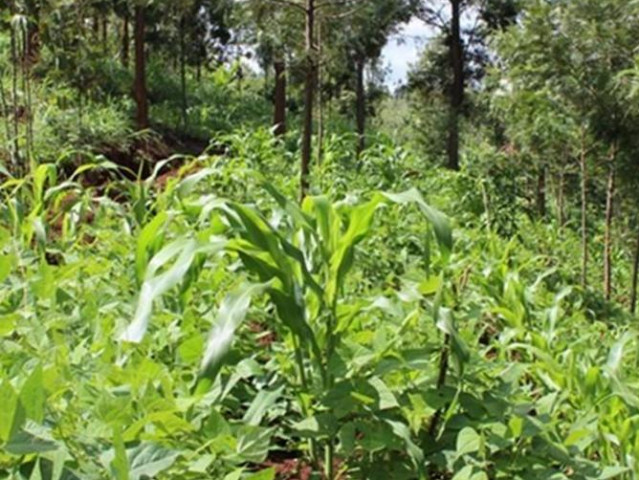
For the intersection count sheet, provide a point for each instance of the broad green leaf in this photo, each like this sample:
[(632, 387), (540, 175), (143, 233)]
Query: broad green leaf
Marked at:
[(156, 285), (320, 425), (263, 401), (469, 473), (120, 463), (201, 463), (616, 353), (609, 473), (187, 185), (148, 236), (25, 443), (230, 315), (468, 441), (11, 413), (253, 443), (148, 460), (359, 224), (402, 431), (32, 396), (235, 475), (441, 224), (268, 474), (446, 324), (387, 400), (44, 172), (6, 264)]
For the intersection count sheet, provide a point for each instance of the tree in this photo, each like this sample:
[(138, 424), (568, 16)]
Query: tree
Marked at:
[(464, 46), (576, 50), (275, 34), (139, 85), (366, 32)]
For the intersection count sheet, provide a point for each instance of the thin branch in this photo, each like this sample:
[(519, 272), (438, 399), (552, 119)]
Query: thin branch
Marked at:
[(433, 17)]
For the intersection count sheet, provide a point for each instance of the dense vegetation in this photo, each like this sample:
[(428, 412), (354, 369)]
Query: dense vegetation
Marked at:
[(228, 251)]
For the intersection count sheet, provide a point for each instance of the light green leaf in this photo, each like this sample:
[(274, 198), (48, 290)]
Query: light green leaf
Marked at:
[(32, 396), (253, 443), (230, 315), (6, 264), (156, 285), (120, 463), (26, 443), (441, 224), (616, 352), (268, 474), (612, 472), (260, 405), (11, 413), (147, 460), (468, 441), (147, 237)]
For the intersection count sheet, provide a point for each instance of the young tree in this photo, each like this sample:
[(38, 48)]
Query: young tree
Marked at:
[(576, 50)]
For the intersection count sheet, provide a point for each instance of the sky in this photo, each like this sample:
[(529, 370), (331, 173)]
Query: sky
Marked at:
[(404, 49)]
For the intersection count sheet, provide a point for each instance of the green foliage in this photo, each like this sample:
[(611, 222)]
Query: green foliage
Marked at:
[(313, 329)]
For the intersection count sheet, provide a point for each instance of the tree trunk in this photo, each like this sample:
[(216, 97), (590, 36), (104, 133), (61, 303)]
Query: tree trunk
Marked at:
[(457, 91), (584, 217), (124, 54), (7, 125), (279, 115), (309, 97), (635, 278), (320, 99), (561, 193), (33, 33), (14, 96), (141, 99), (541, 193), (360, 109), (610, 196), (105, 36), (96, 28), (185, 105)]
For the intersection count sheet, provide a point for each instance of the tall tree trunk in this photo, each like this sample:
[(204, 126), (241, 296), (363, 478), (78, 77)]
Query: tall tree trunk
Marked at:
[(610, 199), (541, 193), (33, 33), (635, 279), (584, 215), (141, 98), (124, 54), (320, 98), (185, 105), (7, 125), (360, 109), (279, 114), (309, 97), (105, 36), (561, 194), (15, 108), (96, 28), (457, 91)]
